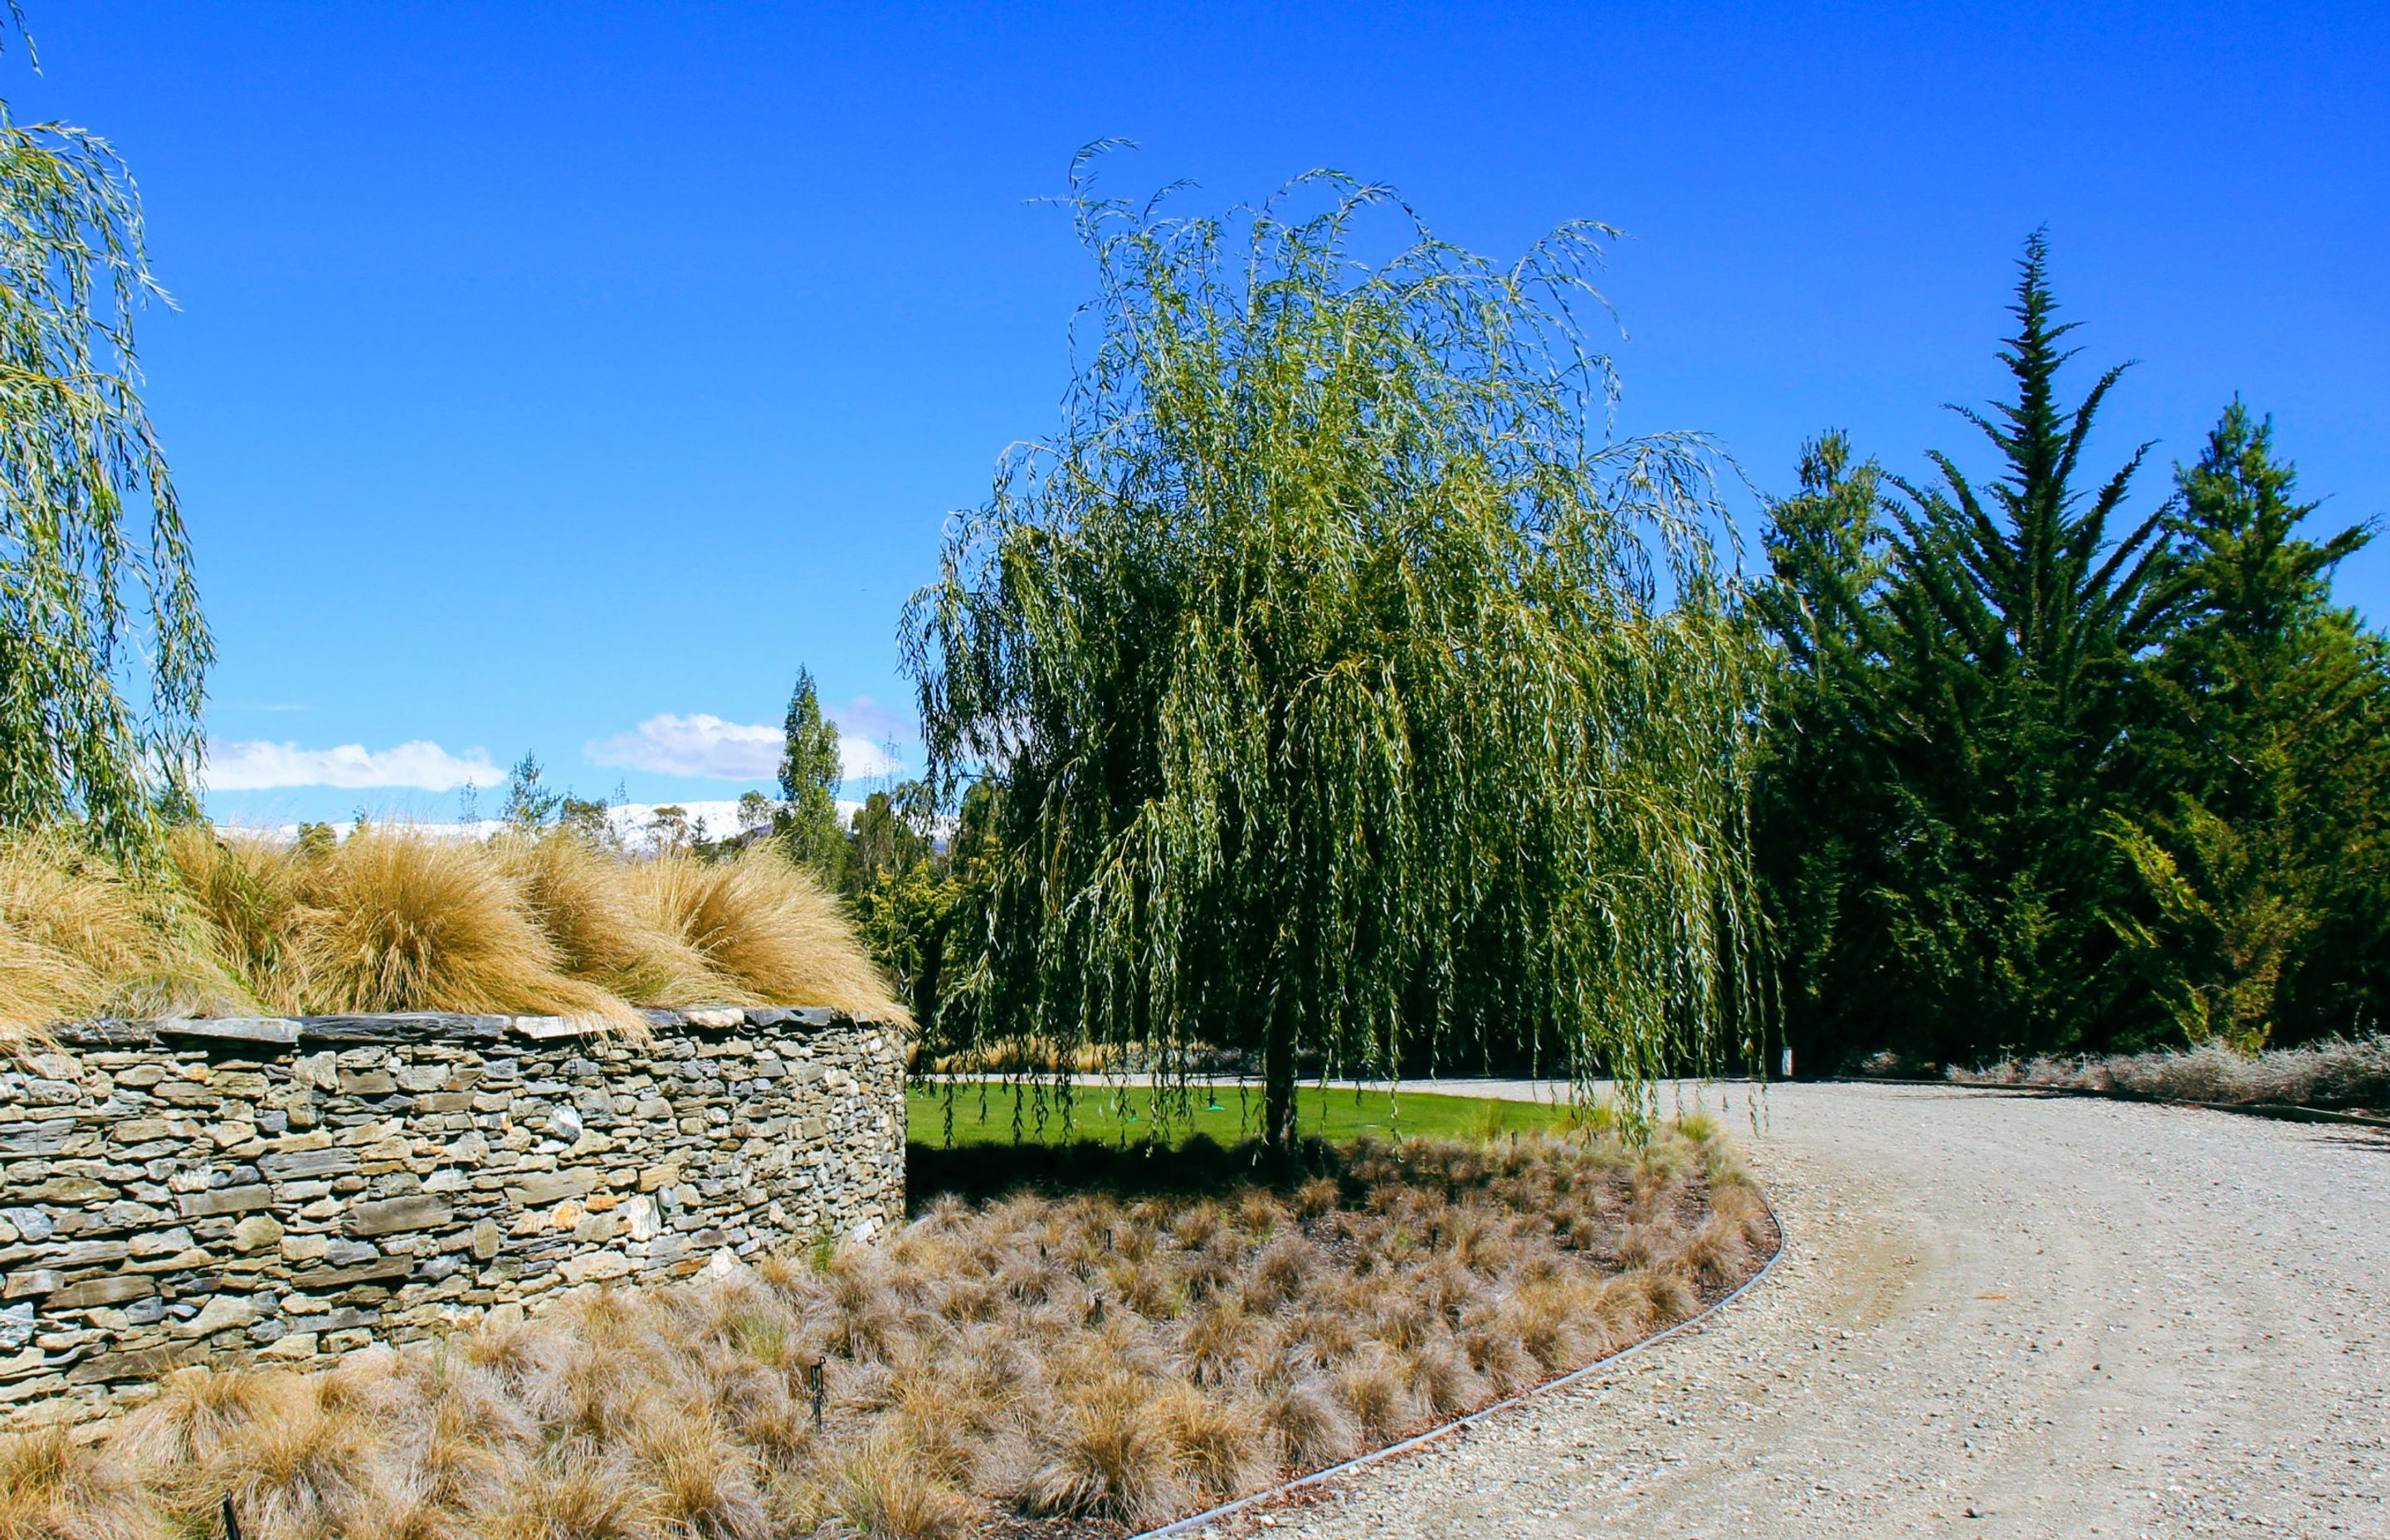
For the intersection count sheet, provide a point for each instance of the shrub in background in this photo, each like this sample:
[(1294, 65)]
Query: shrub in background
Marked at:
[(2338, 1071)]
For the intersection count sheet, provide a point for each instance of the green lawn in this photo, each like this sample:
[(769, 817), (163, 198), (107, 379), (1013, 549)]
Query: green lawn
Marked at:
[(1099, 1112)]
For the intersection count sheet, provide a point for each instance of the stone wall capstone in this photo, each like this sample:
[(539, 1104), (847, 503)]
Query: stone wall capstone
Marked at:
[(288, 1189)]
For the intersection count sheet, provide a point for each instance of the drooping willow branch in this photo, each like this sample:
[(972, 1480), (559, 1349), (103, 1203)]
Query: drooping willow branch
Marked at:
[(103, 650), (1346, 692)]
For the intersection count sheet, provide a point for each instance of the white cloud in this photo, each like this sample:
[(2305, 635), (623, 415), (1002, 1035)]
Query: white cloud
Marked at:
[(863, 717), (694, 745), (257, 765), (862, 759), (710, 748)]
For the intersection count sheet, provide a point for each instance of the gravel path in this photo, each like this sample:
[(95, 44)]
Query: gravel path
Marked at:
[(1996, 1315)]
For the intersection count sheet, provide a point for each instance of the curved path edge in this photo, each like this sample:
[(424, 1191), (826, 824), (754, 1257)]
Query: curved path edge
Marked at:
[(1992, 1315)]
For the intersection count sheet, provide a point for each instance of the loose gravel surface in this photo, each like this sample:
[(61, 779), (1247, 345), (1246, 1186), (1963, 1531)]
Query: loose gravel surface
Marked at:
[(1995, 1314)]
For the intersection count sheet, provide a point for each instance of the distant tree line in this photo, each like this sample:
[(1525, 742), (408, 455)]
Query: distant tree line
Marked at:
[(2049, 759), (2044, 774), (912, 873)]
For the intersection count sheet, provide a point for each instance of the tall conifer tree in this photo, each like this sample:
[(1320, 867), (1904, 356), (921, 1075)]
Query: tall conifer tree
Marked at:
[(2254, 806), (1976, 659), (810, 773)]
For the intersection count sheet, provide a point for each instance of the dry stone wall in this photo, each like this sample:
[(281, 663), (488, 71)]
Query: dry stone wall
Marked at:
[(290, 1190)]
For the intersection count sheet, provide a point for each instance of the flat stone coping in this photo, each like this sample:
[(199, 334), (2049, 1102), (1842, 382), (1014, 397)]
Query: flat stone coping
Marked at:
[(423, 1026)]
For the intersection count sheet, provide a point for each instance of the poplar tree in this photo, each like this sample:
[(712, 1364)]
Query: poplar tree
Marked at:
[(810, 773)]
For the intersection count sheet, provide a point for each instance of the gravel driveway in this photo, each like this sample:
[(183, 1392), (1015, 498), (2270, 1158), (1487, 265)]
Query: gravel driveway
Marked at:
[(1996, 1314)]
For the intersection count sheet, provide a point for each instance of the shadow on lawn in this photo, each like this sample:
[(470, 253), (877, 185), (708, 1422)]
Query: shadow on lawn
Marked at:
[(1197, 1166)]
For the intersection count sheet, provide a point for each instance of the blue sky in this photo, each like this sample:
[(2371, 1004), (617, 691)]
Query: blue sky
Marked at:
[(560, 377)]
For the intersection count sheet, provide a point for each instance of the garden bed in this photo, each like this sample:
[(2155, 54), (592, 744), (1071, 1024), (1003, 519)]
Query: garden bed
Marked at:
[(1170, 1333)]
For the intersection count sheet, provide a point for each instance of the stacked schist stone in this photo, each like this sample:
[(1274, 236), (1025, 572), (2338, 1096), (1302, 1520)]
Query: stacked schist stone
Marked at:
[(286, 1190)]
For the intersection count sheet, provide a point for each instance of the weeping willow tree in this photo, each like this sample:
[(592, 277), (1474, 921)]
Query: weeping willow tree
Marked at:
[(102, 647), (1345, 693)]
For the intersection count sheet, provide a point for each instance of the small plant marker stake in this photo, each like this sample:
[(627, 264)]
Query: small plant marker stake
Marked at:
[(231, 1519), (821, 1383)]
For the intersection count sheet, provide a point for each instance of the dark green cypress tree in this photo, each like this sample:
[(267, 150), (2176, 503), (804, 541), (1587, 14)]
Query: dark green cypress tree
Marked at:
[(2015, 618), (2255, 774), (1818, 798), (1966, 676)]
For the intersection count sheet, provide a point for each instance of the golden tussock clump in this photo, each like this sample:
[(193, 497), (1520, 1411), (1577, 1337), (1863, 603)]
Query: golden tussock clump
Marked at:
[(389, 920), (79, 938), (68, 932), (768, 926), (1078, 1364), (243, 894), (51, 1485), (605, 927)]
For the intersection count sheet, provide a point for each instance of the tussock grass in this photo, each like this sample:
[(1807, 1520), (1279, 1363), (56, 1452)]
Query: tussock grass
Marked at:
[(52, 1488), (78, 939), (242, 893), (1085, 1361), (2337, 1071), (392, 922), (766, 926), (389, 920), (607, 930)]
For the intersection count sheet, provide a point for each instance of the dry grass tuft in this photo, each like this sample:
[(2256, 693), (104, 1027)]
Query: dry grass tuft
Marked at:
[(2337, 1071), (604, 928), (765, 926), (1310, 1424), (394, 922), (52, 1488), (391, 920), (705, 1482), (573, 1493), (310, 1470), (1222, 1448), (196, 1411), (78, 939), (885, 1493), (243, 890), (1109, 1457), (1006, 1365)]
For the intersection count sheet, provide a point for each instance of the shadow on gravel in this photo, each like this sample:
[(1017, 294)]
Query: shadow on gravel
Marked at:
[(2372, 1144)]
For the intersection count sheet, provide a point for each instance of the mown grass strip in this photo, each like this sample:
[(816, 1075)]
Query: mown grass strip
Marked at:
[(995, 1114)]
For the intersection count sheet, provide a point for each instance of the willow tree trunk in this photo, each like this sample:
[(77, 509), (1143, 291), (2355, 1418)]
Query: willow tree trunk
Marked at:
[(1278, 1082)]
